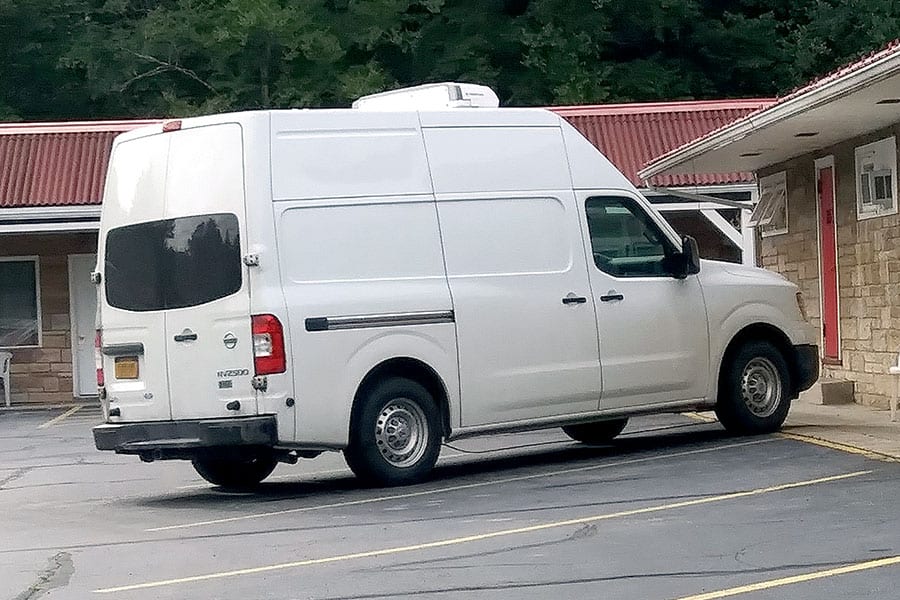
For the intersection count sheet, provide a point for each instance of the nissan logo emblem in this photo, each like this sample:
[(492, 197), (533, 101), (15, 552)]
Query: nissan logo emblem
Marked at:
[(229, 340)]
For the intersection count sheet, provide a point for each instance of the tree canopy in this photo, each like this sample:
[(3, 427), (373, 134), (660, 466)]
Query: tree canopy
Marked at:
[(65, 59)]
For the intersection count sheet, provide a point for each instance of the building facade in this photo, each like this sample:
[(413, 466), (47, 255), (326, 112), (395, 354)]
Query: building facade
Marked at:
[(827, 218)]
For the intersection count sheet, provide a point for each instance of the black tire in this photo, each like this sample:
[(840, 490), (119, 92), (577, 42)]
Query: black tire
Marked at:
[(235, 473), (754, 390), (600, 432), (395, 433)]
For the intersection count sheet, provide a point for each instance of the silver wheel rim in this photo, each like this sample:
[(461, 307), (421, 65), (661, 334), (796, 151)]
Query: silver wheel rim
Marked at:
[(401, 432), (761, 387)]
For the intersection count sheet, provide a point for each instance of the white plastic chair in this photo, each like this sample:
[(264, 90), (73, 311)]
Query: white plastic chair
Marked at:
[(895, 370), (5, 361)]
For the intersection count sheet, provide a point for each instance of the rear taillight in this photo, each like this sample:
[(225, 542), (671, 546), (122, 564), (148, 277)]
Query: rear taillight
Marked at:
[(98, 358), (268, 345)]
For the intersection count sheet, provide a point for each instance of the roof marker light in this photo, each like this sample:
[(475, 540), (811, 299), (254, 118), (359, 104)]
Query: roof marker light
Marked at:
[(172, 125)]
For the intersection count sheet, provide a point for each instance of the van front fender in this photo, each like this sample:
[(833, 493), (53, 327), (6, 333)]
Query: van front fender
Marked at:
[(751, 314)]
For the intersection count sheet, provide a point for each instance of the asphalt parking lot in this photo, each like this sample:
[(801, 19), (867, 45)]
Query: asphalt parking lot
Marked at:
[(675, 509)]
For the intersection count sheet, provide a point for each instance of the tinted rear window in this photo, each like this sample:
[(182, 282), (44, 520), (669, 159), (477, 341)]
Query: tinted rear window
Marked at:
[(173, 263)]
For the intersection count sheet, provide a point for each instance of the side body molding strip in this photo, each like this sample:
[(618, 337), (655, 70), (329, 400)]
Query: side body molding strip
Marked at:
[(379, 320)]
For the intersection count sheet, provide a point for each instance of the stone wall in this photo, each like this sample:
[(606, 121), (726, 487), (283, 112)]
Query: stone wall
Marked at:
[(42, 375), (868, 268)]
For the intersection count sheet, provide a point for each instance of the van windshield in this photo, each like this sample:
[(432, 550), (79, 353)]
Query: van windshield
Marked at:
[(173, 263)]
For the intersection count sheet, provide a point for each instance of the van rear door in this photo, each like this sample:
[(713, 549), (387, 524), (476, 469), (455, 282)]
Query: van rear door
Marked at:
[(208, 330), (133, 341), (177, 285)]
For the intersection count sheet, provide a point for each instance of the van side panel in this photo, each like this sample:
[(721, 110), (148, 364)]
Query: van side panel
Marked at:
[(358, 238), (370, 262), (513, 251), (496, 159), (340, 154)]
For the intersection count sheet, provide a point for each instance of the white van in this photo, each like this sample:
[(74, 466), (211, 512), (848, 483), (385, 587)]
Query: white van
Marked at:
[(276, 284)]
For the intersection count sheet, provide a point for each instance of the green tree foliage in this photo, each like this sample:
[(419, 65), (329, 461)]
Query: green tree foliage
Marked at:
[(117, 58)]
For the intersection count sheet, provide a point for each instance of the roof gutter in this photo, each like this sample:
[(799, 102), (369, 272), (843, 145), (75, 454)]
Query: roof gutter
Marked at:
[(841, 86), (702, 198), (49, 219), (39, 213)]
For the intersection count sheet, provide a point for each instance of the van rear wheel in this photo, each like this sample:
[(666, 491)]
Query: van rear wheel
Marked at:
[(395, 435), (754, 390), (599, 432), (235, 473)]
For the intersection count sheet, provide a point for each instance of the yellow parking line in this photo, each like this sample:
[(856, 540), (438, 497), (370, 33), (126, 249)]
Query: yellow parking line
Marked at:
[(814, 440), (839, 446), (480, 537), (456, 488), (60, 418), (772, 583)]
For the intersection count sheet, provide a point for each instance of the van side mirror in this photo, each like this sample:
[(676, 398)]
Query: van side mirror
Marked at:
[(688, 262)]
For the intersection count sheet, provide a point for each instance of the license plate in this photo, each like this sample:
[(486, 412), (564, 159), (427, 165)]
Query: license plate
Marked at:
[(126, 367)]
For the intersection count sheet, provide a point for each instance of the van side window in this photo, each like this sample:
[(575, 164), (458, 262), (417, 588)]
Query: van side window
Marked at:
[(624, 239)]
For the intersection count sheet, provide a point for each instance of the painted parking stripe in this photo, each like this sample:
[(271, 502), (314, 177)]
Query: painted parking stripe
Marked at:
[(483, 536), (871, 454), (456, 488), (809, 439), (60, 418), (773, 583)]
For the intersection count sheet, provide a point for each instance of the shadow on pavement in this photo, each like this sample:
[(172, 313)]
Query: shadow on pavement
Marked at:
[(471, 469)]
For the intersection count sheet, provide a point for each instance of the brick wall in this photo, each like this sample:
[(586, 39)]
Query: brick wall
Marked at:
[(868, 268), (45, 374)]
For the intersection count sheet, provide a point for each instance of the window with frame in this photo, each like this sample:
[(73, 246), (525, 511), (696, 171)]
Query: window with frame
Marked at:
[(625, 241), (173, 263), (876, 179), (770, 216), (20, 323)]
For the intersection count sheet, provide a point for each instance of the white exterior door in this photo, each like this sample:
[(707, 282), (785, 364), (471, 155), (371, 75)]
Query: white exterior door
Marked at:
[(654, 339), (83, 308)]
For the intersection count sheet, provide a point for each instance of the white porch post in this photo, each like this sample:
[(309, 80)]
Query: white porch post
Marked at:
[(749, 232)]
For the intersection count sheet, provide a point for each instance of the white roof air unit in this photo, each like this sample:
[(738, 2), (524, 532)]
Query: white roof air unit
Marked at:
[(432, 96)]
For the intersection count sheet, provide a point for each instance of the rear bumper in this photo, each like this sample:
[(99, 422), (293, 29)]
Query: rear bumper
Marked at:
[(806, 367), (156, 440)]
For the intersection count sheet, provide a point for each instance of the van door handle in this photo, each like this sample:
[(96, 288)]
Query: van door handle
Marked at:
[(573, 299), (185, 337), (611, 296)]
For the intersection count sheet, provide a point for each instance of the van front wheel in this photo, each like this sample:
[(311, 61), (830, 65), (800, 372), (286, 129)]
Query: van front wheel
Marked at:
[(395, 435), (235, 473), (754, 391)]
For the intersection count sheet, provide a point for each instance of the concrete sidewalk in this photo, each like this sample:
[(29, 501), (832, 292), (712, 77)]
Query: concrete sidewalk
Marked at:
[(860, 427)]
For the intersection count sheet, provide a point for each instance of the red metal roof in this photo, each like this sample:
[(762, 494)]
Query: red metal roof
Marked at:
[(64, 164), (631, 135), (56, 164)]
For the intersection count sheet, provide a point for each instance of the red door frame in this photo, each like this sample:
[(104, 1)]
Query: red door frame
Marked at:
[(829, 289)]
